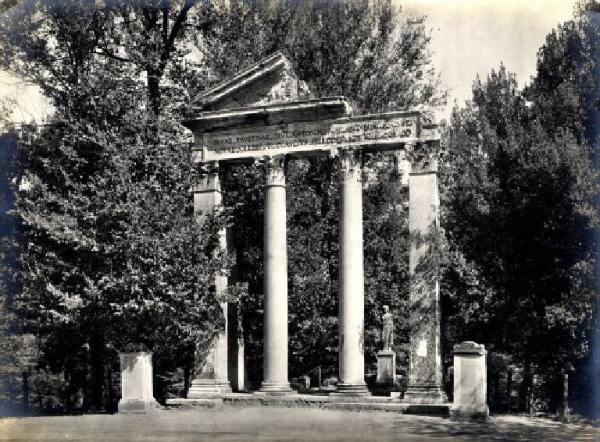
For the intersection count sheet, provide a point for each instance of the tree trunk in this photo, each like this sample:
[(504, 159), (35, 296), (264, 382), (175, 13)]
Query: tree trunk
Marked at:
[(508, 389), (111, 395), (531, 396), (497, 398), (186, 379), (154, 76), (97, 353), (25, 375), (565, 405), (525, 386)]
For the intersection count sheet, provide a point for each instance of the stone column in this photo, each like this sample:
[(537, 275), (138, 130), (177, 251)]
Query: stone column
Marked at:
[(351, 277), (212, 377), (425, 369), (275, 377)]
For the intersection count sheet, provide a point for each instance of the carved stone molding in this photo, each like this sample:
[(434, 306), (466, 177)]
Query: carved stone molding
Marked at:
[(350, 161), (274, 168), (402, 165), (210, 168), (469, 347), (208, 177)]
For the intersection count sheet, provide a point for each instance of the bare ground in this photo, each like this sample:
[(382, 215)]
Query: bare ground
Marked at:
[(284, 424)]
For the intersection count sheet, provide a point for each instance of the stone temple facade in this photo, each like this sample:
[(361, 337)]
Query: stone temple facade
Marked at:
[(265, 114)]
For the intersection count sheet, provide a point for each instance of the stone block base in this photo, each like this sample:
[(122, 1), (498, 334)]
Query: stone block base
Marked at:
[(386, 367), (137, 406), (372, 403), (351, 390), (208, 387), (382, 391), (425, 394), (272, 389), (470, 414)]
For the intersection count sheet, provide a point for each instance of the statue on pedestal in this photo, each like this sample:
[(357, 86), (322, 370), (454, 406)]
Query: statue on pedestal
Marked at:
[(386, 358), (387, 334)]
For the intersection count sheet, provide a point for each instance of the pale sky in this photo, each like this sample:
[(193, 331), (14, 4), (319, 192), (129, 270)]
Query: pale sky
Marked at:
[(469, 37)]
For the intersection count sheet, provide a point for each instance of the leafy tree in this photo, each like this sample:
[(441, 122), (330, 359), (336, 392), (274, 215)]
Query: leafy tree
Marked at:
[(111, 254), (564, 90), (565, 94), (519, 220)]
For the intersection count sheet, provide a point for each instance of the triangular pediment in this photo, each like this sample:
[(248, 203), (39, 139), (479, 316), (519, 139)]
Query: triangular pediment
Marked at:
[(270, 80)]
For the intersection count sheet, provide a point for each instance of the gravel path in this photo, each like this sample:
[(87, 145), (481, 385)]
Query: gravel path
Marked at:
[(283, 424)]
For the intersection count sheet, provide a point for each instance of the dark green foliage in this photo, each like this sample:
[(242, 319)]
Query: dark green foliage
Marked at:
[(386, 257), (519, 218), (365, 51), (111, 254), (564, 91), (566, 94)]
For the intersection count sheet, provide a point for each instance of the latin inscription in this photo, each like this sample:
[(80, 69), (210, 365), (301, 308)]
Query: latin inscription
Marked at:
[(302, 137)]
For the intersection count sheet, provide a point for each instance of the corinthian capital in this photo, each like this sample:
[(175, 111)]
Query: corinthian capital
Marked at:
[(208, 177), (350, 164), (274, 168)]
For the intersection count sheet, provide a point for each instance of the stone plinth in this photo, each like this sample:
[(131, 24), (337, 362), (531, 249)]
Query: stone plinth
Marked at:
[(386, 367), (213, 377), (137, 394), (206, 388), (470, 382)]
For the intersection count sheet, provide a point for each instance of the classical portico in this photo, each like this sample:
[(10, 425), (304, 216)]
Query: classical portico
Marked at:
[(265, 115)]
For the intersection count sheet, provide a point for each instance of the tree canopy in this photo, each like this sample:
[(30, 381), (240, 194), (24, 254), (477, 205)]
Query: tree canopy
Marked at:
[(111, 253)]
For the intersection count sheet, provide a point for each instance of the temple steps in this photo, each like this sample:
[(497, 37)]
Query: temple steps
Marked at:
[(371, 403)]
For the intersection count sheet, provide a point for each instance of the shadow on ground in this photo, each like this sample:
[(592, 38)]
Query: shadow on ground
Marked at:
[(503, 428)]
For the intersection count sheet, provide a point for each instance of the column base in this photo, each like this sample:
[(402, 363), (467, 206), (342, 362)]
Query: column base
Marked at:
[(202, 388), (464, 413), (351, 390), (275, 389), (137, 406), (425, 394)]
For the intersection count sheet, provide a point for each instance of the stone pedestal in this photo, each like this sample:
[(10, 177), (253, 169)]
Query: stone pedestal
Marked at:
[(351, 277), (425, 369), (386, 368), (137, 394), (275, 377), (470, 382)]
